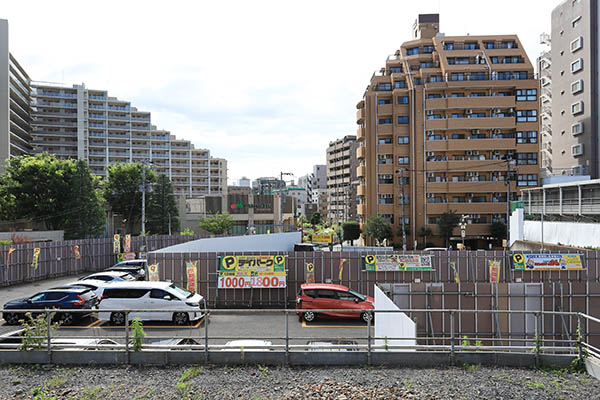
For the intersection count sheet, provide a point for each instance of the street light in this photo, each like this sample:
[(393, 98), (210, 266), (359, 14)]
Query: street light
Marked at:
[(463, 228), (401, 172), (509, 162)]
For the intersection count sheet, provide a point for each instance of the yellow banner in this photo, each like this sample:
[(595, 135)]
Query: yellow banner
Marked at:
[(153, 273), (342, 261), (36, 256), (77, 253), (192, 275), (127, 244), (10, 250), (494, 271), (116, 244)]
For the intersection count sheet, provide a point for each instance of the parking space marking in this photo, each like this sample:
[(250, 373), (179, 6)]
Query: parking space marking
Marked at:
[(159, 327), (304, 325)]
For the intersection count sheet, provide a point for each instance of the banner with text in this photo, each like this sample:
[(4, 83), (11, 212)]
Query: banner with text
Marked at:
[(494, 270), (153, 273), (322, 238), (192, 275), (398, 262), (245, 272), (548, 262)]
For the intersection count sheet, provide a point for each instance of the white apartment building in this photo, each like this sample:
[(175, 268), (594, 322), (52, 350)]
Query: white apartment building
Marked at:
[(77, 122)]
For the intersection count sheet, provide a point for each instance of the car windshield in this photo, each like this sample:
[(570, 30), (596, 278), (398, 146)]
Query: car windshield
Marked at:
[(181, 292), (360, 296)]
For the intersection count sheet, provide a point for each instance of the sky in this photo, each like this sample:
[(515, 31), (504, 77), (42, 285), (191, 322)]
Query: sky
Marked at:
[(264, 84)]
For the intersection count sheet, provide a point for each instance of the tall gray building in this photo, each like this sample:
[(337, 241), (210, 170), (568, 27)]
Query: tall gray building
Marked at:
[(341, 179), (574, 54)]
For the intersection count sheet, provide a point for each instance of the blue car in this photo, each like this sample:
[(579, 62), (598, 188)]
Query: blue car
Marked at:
[(81, 298)]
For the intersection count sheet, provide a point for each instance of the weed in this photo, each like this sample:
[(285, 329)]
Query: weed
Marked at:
[(190, 373), (39, 393), (264, 371), (470, 367), (536, 385), (407, 383), (558, 384), (148, 395), (138, 334), (184, 384), (57, 381), (91, 394), (385, 344), (537, 345), (35, 331), (465, 343), (478, 343), (242, 353)]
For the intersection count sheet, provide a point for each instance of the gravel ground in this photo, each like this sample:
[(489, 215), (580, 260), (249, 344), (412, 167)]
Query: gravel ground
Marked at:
[(256, 382)]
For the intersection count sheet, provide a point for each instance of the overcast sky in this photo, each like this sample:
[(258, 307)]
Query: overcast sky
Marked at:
[(264, 84)]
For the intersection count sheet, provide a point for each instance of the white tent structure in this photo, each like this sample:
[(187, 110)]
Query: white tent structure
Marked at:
[(268, 242)]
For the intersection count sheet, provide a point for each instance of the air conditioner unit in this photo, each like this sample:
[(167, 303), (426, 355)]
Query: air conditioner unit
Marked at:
[(496, 131), (475, 152), (429, 112), (429, 133), (430, 153), (497, 110), (475, 131), (430, 195), (472, 173), (469, 152), (431, 174), (469, 111), (511, 110)]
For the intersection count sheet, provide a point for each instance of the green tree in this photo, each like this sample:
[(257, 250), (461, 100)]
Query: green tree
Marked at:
[(62, 194), (217, 224), (122, 191), (498, 230), (162, 207), (315, 219), (351, 230), (378, 228), (423, 233), (448, 221)]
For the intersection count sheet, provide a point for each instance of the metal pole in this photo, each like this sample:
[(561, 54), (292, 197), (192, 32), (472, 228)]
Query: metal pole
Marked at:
[(579, 338), (401, 171), (508, 201), (287, 338), (543, 210), (369, 340), (48, 333), (452, 335), (127, 335), (206, 337), (144, 198)]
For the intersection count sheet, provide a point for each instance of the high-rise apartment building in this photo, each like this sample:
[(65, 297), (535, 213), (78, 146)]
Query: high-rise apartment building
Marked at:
[(77, 122), (444, 121), (575, 88), (15, 119), (341, 174), (544, 67)]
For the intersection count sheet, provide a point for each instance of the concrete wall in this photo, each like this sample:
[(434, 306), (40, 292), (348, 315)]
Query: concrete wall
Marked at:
[(568, 233), (392, 324)]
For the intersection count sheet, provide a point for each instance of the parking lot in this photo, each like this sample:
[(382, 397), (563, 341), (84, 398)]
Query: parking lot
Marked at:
[(223, 325)]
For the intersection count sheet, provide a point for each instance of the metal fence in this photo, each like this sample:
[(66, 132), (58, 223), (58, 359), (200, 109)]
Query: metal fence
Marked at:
[(367, 346), (59, 258)]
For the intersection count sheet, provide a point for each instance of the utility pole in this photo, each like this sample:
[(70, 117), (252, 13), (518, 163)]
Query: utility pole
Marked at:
[(144, 198), (281, 174), (507, 181), (401, 171)]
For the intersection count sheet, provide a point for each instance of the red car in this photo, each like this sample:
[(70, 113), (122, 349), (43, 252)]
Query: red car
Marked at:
[(321, 296)]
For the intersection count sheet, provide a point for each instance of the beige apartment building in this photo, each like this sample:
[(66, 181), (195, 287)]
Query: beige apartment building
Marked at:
[(77, 122), (341, 179), (448, 116)]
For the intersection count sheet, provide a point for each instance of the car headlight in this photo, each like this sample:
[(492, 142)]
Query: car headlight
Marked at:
[(193, 304)]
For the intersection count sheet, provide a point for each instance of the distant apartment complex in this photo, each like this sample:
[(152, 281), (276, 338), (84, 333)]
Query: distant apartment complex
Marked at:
[(77, 122), (544, 67), (575, 88), (341, 175), (444, 121)]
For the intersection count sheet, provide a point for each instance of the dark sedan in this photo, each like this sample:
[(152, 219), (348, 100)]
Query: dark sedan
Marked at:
[(76, 298), (135, 268)]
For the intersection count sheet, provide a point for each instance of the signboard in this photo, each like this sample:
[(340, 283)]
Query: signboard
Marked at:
[(310, 273), (77, 253), (126, 256), (548, 262), (36, 256), (127, 244), (494, 270), (116, 244), (400, 262), (245, 272), (322, 238)]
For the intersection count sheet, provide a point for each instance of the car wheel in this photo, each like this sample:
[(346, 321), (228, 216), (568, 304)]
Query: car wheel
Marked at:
[(309, 316), (181, 318), (367, 316), (11, 318), (117, 318), (67, 318)]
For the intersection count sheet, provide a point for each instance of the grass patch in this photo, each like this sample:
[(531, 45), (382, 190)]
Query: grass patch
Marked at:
[(92, 393)]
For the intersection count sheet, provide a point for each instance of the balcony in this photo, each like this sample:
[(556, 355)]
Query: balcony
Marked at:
[(471, 123), (361, 190), (467, 208), (469, 187), (361, 171), (467, 165), (360, 115), (360, 133), (470, 144)]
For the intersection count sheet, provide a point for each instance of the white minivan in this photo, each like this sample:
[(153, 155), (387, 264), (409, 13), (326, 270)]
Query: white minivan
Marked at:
[(151, 296)]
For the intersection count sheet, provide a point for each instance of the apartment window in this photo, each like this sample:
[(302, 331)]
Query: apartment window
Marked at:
[(526, 115), (435, 137), (527, 137), (384, 101), (449, 46), (526, 94), (577, 65), (577, 150), (457, 95), (478, 115), (477, 76), (434, 96), (471, 46), (477, 94), (402, 99), (386, 159), (458, 115), (403, 200), (384, 86), (403, 140), (488, 45), (387, 140), (427, 49), (434, 116), (457, 76), (406, 221), (385, 179), (575, 22), (577, 86), (385, 121), (462, 60), (577, 129), (527, 158), (404, 179), (386, 198), (403, 119), (412, 51), (403, 160), (399, 84), (577, 108), (457, 136), (576, 44), (433, 220), (396, 70), (417, 81), (436, 78)]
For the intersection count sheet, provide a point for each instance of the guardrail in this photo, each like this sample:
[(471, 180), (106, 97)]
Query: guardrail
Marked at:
[(450, 345)]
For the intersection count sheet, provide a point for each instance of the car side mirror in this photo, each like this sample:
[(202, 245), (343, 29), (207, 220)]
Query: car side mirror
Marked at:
[(29, 300), (356, 301), (167, 298)]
